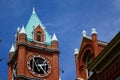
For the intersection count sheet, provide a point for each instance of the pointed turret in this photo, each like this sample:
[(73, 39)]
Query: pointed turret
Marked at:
[(12, 49), (22, 35), (22, 31), (54, 41), (32, 24), (17, 34), (11, 52), (33, 10), (54, 38)]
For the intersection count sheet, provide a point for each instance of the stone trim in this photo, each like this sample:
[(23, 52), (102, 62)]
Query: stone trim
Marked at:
[(36, 47), (25, 77)]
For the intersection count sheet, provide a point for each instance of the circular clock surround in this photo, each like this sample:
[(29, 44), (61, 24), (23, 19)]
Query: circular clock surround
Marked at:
[(39, 65)]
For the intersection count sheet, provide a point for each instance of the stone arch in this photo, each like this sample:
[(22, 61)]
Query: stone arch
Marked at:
[(87, 56), (87, 48), (86, 53)]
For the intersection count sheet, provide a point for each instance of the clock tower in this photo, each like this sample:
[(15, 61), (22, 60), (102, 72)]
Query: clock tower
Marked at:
[(35, 54)]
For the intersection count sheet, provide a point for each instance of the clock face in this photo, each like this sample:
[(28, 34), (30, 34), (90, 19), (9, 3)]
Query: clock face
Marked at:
[(39, 65)]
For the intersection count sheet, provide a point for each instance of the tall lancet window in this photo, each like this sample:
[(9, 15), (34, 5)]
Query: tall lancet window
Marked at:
[(87, 59)]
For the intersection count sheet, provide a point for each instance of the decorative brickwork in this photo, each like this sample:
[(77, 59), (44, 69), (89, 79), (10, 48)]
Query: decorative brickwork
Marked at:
[(98, 60), (33, 58)]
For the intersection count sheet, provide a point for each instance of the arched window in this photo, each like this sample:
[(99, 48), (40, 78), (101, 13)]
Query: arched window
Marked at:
[(87, 59), (39, 38), (38, 35)]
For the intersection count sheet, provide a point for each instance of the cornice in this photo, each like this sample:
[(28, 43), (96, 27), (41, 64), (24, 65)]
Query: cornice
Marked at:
[(25, 77), (33, 47), (36, 47)]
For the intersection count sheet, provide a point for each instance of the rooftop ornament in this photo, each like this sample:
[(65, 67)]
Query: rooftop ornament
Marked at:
[(93, 31), (84, 33)]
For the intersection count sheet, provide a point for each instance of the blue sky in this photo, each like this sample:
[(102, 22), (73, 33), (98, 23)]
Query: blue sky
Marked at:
[(67, 18)]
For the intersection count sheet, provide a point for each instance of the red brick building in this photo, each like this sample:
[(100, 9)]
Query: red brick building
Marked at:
[(98, 60), (34, 55)]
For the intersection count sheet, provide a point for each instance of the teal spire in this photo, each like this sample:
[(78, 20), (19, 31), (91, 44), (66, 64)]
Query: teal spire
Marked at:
[(33, 22)]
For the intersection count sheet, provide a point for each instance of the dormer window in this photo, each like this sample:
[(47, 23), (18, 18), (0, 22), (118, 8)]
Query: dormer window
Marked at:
[(38, 34), (39, 38)]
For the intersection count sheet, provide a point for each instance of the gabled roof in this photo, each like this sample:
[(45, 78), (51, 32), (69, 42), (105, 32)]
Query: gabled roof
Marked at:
[(99, 41), (107, 55), (89, 39), (33, 22), (84, 39)]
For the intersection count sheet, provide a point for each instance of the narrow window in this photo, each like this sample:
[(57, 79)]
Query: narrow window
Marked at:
[(39, 38)]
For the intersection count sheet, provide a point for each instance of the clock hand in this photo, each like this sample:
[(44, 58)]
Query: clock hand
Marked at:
[(42, 68), (44, 64), (33, 64), (36, 65)]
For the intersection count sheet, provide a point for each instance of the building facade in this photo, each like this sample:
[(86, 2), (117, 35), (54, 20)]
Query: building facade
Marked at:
[(35, 54), (98, 60)]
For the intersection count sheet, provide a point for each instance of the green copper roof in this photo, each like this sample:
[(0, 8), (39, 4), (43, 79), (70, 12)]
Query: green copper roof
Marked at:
[(35, 21)]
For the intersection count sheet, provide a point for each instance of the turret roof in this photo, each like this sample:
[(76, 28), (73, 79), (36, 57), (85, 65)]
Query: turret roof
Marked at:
[(54, 38), (22, 31), (33, 22), (12, 49)]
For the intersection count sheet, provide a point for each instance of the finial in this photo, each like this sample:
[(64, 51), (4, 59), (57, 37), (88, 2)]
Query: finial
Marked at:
[(84, 33), (54, 38), (18, 29), (22, 30), (76, 51), (93, 31), (33, 10), (12, 49)]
